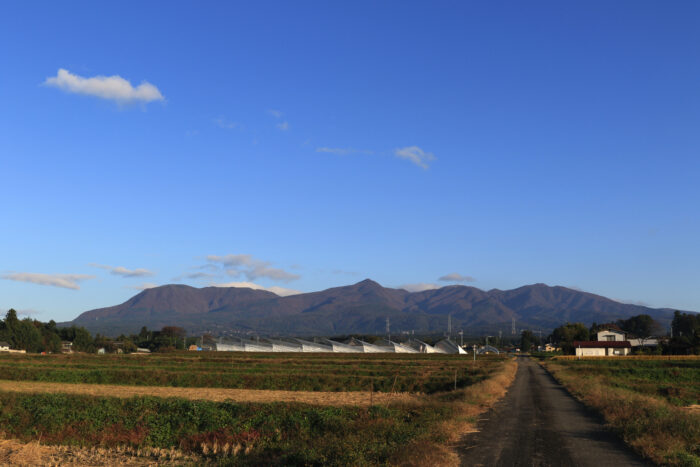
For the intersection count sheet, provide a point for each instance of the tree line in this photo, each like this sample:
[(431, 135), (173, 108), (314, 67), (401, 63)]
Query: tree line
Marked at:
[(34, 336)]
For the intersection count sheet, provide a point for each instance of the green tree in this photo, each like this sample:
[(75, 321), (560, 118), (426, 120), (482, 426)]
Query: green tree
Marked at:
[(527, 340), (26, 336), (568, 333), (82, 340), (638, 326)]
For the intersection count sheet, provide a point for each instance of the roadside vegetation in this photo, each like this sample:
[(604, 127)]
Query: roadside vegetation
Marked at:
[(652, 402)]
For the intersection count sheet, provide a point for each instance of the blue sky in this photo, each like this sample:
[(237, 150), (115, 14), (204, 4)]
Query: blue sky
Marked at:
[(305, 145)]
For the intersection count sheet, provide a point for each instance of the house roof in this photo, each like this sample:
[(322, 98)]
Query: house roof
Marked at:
[(602, 344), (4, 344)]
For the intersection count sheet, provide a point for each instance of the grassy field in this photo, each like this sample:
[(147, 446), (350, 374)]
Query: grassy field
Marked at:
[(408, 429), (293, 372), (649, 401)]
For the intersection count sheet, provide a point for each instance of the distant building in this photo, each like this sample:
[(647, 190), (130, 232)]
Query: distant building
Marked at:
[(4, 347), (611, 334), (651, 342), (602, 348), (66, 347)]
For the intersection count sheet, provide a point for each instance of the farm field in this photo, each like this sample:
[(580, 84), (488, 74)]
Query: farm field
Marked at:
[(325, 426), (651, 402), (290, 372)]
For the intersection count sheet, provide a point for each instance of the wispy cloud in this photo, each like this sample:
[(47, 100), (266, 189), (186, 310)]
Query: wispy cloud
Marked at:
[(124, 272), (105, 87), (67, 281), (252, 268), (281, 291), (342, 151), (143, 286), (221, 122), (456, 277), (197, 275), (283, 126), (416, 155), (419, 287)]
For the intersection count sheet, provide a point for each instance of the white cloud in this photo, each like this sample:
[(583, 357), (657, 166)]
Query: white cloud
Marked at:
[(226, 124), (456, 277), (106, 87), (281, 291), (419, 287), (124, 272), (144, 286), (252, 268), (343, 151), (415, 155), (275, 113), (67, 281), (284, 126)]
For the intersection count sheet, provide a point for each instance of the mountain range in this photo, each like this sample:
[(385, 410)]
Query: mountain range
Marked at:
[(361, 308)]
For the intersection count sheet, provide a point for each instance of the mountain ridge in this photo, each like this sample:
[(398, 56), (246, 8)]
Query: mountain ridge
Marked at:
[(358, 308)]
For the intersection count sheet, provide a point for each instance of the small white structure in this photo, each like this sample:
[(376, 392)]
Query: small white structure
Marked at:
[(602, 348), (366, 347), (487, 349), (4, 347), (397, 347), (339, 347), (284, 346), (308, 346), (422, 347), (651, 342), (611, 335), (447, 346)]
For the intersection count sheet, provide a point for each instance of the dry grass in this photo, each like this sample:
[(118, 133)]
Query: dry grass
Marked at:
[(355, 398), (658, 430), (466, 404), (15, 453), (629, 357)]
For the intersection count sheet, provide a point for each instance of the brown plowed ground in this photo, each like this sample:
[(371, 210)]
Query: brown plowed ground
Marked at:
[(354, 398)]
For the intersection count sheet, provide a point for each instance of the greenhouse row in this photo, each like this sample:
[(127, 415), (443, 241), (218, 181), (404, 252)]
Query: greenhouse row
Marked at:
[(352, 345)]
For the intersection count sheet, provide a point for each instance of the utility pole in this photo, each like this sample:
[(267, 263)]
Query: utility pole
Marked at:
[(512, 329), (388, 330), (449, 326), (461, 338)]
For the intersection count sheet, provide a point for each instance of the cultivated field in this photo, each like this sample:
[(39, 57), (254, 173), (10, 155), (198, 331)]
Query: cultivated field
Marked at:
[(390, 403), (652, 402), (290, 372)]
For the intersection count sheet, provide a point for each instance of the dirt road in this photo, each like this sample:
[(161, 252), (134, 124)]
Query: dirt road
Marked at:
[(539, 424)]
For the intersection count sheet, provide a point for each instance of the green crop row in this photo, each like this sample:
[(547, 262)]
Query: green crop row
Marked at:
[(246, 434)]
